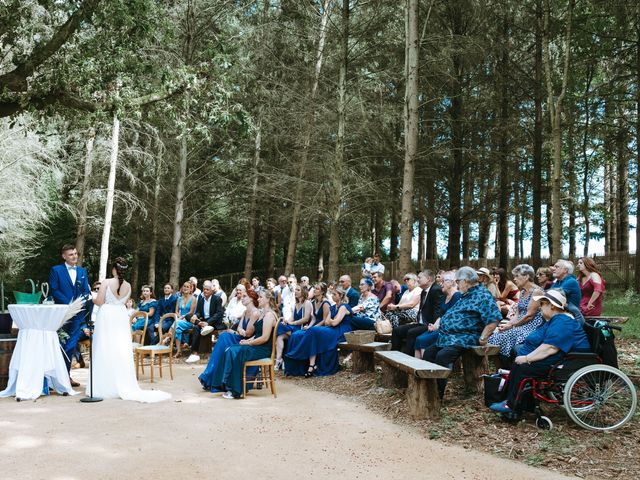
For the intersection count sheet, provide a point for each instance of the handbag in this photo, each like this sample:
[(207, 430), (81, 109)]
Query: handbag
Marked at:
[(383, 325)]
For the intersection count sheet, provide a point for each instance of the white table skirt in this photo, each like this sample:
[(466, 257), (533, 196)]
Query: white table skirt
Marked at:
[(37, 355)]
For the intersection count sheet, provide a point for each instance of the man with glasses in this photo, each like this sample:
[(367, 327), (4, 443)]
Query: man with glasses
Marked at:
[(352, 293), (466, 324)]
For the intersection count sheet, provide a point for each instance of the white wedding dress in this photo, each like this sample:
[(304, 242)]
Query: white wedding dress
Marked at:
[(112, 364)]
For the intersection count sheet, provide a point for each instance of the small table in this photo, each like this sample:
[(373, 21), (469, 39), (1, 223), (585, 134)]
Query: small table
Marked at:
[(37, 356)]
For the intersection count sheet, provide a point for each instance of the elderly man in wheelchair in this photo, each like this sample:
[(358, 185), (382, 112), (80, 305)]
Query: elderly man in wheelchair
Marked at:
[(556, 364)]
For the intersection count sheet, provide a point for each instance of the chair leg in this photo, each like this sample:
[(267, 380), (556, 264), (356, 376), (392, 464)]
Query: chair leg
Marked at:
[(151, 366), (171, 366), (141, 363), (273, 381), (137, 365), (244, 381), (160, 364)]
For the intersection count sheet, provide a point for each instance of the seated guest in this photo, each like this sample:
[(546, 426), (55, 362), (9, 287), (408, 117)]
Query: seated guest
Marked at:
[(166, 304), (429, 304), (487, 279), (218, 292), (465, 325), (512, 332), (149, 304), (565, 280), (352, 293), (130, 306), (559, 334), (317, 347), (228, 376), (381, 289), (194, 284), (282, 285), (544, 278), (185, 306), (406, 310), (208, 313), (591, 287), (320, 306), (255, 283), (331, 286), (508, 292), (270, 284), (449, 298), (231, 337), (368, 308), (235, 308), (301, 316)]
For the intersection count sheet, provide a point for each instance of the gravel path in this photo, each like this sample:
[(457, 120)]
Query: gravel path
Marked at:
[(301, 434)]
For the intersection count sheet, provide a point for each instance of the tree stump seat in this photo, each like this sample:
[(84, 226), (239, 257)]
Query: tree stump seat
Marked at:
[(383, 337), (362, 354), (475, 364), (418, 376)]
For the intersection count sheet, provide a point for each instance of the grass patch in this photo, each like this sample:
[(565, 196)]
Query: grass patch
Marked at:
[(618, 303)]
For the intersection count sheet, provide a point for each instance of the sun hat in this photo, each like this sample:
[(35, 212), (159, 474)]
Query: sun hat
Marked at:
[(554, 296), (483, 271)]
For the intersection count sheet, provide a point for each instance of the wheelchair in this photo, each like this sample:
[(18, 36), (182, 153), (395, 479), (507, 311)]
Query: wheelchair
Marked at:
[(595, 394)]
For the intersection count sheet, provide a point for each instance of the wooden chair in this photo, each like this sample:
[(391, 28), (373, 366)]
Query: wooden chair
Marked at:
[(158, 350), (267, 366), (136, 340)]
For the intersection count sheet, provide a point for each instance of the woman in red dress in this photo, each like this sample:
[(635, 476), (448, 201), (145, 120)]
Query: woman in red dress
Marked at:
[(592, 287)]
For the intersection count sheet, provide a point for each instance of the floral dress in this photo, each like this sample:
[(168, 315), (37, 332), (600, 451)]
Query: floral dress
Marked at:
[(508, 339)]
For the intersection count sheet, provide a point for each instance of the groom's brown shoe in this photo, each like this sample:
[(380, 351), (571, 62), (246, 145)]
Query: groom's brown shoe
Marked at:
[(73, 382)]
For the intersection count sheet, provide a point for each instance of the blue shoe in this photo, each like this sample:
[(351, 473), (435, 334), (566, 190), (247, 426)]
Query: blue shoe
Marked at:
[(501, 407)]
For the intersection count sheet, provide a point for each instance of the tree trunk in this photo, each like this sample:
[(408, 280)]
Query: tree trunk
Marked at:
[(176, 243), (253, 206), (379, 231), (111, 186), (536, 214), (421, 225), (555, 117), (637, 72), (322, 239), (84, 196), (585, 163), (135, 269), (153, 247), (299, 193), (393, 241), (335, 206), (271, 247), (622, 204), (466, 216), (411, 123), (432, 228), (503, 154), (573, 187)]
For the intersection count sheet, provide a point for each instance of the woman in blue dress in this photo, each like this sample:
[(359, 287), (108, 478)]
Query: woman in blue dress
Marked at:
[(449, 299), (301, 316), (231, 337), (149, 304), (317, 347), (228, 375), (185, 306)]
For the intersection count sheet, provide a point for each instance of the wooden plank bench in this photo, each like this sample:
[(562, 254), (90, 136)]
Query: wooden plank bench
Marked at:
[(475, 364), (383, 337), (362, 354), (419, 376)]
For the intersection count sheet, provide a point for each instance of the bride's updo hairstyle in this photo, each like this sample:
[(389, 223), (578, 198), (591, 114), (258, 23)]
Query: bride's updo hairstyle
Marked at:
[(121, 266)]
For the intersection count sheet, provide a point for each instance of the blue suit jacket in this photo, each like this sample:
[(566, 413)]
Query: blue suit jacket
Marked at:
[(62, 290)]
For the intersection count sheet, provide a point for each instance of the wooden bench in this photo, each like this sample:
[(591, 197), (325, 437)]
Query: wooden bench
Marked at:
[(362, 354), (419, 376), (475, 364), (383, 337)]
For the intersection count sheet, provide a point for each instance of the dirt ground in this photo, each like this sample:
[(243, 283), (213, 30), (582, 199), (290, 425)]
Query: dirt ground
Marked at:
[(304, 433)]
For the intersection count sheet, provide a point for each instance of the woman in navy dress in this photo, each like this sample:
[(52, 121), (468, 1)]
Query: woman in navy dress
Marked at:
[(301, 316), (228, 375), (231, 337), (149, 304), (317, 346)]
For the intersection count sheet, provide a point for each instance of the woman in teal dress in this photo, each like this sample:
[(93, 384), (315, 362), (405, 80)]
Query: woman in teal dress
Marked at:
[(228, 376), (149, 304), (317, 347), (301, 316), (185, 306), (231, 337)]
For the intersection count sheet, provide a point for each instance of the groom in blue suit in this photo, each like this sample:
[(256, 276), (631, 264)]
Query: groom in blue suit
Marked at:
[(67, 283)]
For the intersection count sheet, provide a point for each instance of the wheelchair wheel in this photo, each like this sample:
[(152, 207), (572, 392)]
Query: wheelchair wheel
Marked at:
[(544, 423), (600, 398)]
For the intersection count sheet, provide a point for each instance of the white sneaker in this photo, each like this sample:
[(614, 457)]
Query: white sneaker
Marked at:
[(193, 358), (228, 395), (206, 330)]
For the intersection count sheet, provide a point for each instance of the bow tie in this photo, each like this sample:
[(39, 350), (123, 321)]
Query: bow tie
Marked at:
[(71, 268)]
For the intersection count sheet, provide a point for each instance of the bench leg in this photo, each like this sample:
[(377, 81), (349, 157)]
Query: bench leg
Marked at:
[(422, 398), (392, 377), (473, 367), (362, 362)]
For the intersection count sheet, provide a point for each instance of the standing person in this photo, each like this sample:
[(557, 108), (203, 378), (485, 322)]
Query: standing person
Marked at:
[(429, 306), (376, 266), (228, 376), (288, 298), (591, 287), (352, 293), (381, 289), (112, 366), (208, 313), (69, 282)]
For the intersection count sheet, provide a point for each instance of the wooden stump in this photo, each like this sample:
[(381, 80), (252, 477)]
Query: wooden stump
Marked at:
[(205, 345), (473, 366), (362, 362), (392, 377), (422, 398)]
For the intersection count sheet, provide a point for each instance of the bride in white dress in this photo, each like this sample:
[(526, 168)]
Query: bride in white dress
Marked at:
[(112, 364)]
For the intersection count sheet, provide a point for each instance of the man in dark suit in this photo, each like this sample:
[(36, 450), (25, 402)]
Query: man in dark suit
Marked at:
[(208, 313), (67, 283), (428, 312)]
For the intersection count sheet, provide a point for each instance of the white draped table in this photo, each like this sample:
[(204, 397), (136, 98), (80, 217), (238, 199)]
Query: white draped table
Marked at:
[(37, 355)]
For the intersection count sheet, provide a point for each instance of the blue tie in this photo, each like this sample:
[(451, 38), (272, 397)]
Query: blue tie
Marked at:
[(71, 268)]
